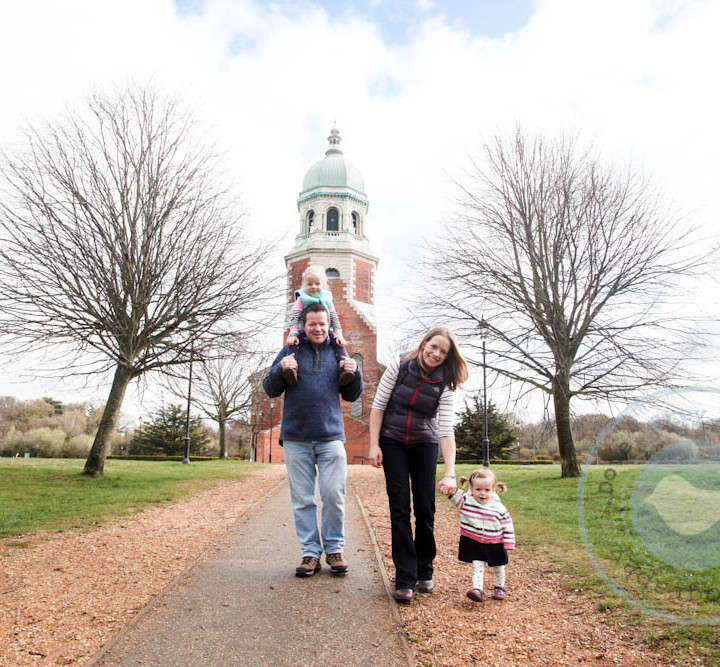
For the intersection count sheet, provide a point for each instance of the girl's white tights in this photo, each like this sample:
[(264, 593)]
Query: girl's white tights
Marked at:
[(479, 572)]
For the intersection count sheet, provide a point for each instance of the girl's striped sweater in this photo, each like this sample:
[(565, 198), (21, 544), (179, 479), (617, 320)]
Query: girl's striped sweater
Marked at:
[(489, 523)]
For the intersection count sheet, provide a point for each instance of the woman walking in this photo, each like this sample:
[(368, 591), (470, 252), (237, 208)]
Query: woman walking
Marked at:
[(411, 415)]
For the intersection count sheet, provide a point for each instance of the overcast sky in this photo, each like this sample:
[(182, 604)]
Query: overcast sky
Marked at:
[(414, 86)]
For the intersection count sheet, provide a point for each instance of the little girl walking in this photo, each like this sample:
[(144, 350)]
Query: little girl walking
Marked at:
[(486, 531), (315, 290)]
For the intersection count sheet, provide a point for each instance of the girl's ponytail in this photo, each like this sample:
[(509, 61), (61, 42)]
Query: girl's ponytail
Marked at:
[(485, 473)]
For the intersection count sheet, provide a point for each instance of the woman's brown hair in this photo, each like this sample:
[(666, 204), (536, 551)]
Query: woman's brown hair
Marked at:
[(456, 370)]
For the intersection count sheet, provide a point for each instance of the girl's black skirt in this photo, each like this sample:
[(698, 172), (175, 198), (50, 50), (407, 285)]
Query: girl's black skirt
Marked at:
[(492, 554)]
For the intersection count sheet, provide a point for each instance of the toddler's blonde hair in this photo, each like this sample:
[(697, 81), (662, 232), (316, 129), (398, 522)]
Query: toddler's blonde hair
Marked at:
[(484, 473), (315, 270)]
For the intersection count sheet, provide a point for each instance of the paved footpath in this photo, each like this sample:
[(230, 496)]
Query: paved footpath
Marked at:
[(241, 604)]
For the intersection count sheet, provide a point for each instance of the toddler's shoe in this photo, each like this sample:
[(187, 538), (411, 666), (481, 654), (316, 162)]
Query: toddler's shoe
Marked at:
[(499, 593), (290, 376), (346, 377), (476, 595)]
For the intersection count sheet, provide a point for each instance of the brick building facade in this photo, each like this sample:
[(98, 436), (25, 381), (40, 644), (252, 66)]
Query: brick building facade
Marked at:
[(333, 209)]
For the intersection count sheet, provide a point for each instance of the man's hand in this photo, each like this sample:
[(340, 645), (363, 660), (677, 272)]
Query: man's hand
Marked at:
[(288, 361), (348, 364)]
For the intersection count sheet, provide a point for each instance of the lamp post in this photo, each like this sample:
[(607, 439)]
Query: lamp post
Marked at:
[(186, 439), (256, 421), (272, 405), (486, 439)]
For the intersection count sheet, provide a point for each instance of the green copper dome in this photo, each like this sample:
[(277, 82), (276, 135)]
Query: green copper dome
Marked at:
[(333, 170)]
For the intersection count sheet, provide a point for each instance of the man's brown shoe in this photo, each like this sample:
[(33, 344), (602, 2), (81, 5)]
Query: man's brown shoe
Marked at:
[(309, 566), (337, 563)]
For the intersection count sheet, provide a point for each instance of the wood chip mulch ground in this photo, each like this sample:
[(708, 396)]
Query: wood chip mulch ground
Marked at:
[(64, 595), (541, 622)]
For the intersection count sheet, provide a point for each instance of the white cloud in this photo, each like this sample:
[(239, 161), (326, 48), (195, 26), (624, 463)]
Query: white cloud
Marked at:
[(637, 76)]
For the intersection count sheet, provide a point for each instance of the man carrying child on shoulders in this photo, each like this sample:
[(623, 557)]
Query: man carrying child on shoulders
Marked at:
[(313, 437)]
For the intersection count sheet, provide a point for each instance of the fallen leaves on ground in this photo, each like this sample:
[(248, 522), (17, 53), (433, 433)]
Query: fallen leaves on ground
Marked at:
[(542, 622)]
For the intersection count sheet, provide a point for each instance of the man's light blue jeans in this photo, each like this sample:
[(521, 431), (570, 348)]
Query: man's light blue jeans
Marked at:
[(328, 462)]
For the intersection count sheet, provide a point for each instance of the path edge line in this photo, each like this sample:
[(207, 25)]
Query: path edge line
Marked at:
[(407, 649)]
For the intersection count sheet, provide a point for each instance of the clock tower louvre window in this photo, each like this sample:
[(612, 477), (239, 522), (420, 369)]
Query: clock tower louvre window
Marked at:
[(333, 220)]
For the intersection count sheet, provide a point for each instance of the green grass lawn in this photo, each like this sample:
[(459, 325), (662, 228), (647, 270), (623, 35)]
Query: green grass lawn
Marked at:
[(631, 554), (52, 494)]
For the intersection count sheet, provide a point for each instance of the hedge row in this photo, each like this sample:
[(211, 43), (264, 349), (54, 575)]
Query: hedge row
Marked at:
[(151, 457), (44, 442), (519, 462)]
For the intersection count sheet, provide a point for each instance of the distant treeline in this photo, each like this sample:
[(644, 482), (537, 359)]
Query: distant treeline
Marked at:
[(626, 439), (48, 428)]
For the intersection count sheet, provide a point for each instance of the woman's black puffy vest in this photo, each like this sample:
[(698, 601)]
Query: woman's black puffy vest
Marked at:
[(410, 414)]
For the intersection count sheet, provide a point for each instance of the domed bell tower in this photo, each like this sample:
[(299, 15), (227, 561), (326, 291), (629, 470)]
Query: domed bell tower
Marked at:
[(333, 209)]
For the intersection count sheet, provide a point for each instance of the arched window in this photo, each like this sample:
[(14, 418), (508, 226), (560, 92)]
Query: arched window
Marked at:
[(332, 273), (356, 406), (355, 223), (310, 221), (333, 220)]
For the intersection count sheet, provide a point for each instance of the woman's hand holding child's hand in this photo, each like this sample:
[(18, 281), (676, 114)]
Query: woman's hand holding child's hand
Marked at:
[(375, 456), (447, 488)]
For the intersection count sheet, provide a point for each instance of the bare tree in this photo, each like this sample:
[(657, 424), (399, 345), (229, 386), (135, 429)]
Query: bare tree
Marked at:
[(120, 242), (571, 267), (222, 382)]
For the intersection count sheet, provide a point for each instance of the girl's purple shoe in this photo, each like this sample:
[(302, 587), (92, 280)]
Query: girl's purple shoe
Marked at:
[(476, 595)]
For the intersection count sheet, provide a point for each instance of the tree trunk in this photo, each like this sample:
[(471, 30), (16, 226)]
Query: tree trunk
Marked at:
[(566, 444), (223, 441), (95, 463)]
